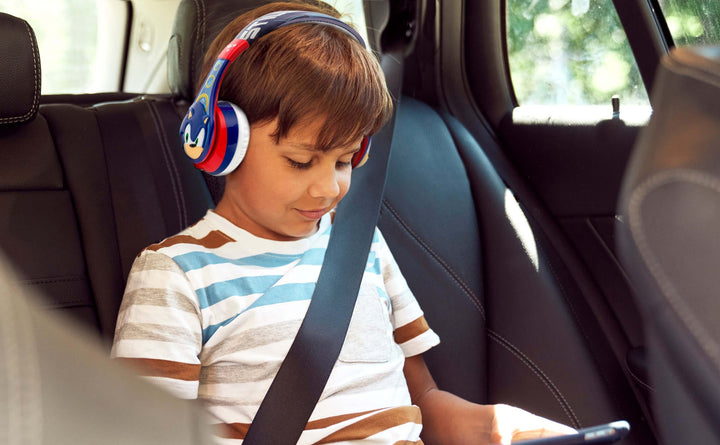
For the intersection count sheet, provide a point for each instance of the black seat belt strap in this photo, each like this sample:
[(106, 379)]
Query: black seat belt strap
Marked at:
[(299, 383)]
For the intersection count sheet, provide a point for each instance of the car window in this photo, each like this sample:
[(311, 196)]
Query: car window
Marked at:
[(693, 22), (570, 52), (77, 56)]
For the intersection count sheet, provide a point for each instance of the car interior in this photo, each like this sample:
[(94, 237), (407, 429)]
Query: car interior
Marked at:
[(512, 267)]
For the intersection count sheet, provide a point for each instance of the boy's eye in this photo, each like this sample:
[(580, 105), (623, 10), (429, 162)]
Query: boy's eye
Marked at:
[(299, 165)]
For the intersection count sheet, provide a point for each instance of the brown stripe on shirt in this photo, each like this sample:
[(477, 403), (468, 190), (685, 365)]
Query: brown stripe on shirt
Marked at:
[(239, 430), (388, 417), (212, 240), (149, 367), (410, 330), (375, 424), (330, 421), (231, 430)]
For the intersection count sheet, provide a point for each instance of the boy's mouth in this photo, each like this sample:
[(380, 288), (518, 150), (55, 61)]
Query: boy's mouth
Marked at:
[(313, 214)]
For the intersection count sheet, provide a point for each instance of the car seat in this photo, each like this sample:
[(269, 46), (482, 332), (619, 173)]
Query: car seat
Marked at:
[(670, 244), (84, 189)]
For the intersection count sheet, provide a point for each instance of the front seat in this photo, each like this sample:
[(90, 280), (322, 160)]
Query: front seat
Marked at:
[(58, 387), (669, 235)]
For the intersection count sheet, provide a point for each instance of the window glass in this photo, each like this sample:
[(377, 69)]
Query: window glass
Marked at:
[(570, 52), (351, 12), (693, 22), (66, 31)]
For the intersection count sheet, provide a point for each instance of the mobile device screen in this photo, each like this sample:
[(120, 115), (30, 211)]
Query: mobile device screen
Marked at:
[(607, 433)]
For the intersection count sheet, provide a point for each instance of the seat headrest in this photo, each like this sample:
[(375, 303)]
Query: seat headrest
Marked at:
[(197, 22), (20, 71)]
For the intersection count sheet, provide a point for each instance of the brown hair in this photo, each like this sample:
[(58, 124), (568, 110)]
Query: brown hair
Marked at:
[(302, 72)]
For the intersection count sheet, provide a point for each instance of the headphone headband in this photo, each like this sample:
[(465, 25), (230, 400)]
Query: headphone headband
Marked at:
[(198, 129)]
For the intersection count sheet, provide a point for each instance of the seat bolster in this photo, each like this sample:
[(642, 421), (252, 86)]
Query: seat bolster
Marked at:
[(79, 145), (538, 356), (430, 224)]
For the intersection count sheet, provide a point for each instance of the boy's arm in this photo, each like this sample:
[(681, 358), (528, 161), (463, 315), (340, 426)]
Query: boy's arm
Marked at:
[(448, 419), (158, 332)]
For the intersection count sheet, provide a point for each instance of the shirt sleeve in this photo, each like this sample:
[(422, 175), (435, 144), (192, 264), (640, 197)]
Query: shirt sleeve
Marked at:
[(159, 329), (410, 329)]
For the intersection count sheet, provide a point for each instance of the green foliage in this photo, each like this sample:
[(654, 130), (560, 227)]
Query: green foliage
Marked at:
[(693, 22), (570, 52), (575, 52)]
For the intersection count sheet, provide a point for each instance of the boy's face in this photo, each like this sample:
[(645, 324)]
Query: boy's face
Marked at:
[(280, 191)]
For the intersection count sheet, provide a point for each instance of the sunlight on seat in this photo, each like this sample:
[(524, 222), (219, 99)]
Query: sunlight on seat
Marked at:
[(522, 228)]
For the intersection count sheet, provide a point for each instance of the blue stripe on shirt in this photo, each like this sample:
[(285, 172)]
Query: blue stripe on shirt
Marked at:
[(283, 293), (238, 287), (197, 260)]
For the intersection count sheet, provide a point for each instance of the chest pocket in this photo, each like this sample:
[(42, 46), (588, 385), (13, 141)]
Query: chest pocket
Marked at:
[(369, 338)]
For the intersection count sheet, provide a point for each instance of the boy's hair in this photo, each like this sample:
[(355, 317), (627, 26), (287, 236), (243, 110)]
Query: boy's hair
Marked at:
[(303, 72)]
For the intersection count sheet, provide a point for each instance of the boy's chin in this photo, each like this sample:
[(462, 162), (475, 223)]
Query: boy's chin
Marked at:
[(297, 233)]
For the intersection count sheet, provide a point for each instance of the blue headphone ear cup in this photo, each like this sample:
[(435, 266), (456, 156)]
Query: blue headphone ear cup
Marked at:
[(230, 140), (238, 137)]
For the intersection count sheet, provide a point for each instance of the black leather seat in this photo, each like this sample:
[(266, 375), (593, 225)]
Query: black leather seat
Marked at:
[(83, 190), (59, 387), (38, 223), (513, 328), (670, 243)]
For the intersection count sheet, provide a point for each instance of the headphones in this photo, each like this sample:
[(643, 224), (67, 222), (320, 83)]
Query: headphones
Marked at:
[(215, 134)]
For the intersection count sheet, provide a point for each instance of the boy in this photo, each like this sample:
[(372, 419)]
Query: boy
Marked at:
[(211, 312)]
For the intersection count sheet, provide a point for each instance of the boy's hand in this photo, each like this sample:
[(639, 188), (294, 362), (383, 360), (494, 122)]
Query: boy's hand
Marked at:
[(512, 424)]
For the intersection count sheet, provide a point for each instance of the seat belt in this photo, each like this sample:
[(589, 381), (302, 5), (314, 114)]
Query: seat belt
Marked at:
[(297, 387)]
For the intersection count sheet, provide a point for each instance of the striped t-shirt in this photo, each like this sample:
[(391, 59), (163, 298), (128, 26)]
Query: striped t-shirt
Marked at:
[(211, 312)]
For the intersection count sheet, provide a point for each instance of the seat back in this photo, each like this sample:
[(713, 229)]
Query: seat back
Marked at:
[(512, 325), (38, 224), (129, 184), (84, 189), (669, 243)]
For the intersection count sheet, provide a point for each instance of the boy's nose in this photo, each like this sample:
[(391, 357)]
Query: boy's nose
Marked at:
[(326, 184)]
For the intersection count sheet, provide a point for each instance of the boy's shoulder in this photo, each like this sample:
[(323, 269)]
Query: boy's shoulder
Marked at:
[(201, 235)]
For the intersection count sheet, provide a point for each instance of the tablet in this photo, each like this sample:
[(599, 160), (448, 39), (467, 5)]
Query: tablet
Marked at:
[(606, 433)]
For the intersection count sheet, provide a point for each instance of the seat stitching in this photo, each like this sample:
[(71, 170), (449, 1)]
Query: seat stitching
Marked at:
[(172, 168), (557, 394), (448, 270), (54, 280), (671, 295), (36, 84), (639, 380)]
